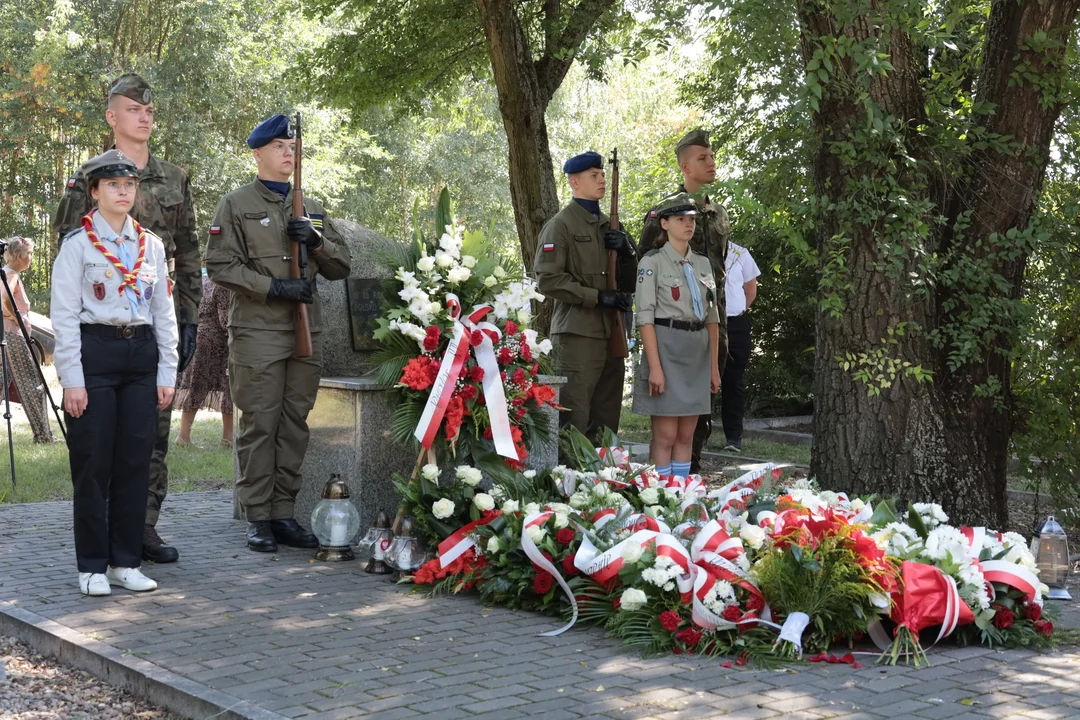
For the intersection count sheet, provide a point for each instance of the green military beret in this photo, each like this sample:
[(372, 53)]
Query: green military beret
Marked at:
[(131, 86), (697, 137), (111, 163), (677, 204)]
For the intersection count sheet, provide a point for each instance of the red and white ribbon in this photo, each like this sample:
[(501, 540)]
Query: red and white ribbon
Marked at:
[(462, 539), (538, 559), (457, 352)]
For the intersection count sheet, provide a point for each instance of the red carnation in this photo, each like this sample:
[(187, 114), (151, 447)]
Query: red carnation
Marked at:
[(469, 392), (1033, 612), (476, 337), (476, 373), (669, 620), (1003, 619), (526, 351), (732, 613), (511, 327), (431, 339), (689, 637), (565, 536), (542, 582), (568, 567), (1044, 628), (519, 376), (417, 374), (755, 603), (506, 356), (487, 434), (535, 369)]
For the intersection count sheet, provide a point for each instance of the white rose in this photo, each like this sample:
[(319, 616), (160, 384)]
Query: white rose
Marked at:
[(671, 493), (443, 509), (493, 545), (523, 317), (511, 506), (600, 489), (544, 347), (490, 282), (633, 599), (499, 272), (579, 500), (484, 501), (561, 521), (631, 553), (752, 535), (650, 496), (468, 261), (434, 309), (443, 259), (532, 509), (469, 475), (430, 472), (529, 474), (536, 533), (458, 275), (425, 264), (653, 511), (857, 505)]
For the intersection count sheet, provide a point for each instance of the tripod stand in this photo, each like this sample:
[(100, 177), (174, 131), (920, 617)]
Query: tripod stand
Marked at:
[(6, 363)]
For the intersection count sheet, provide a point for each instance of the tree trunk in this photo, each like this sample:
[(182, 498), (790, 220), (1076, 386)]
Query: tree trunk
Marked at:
[(522, 104), (927, 441)]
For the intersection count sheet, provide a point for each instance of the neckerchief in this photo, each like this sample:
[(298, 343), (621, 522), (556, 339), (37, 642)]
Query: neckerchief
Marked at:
[(695, 291), (130, 277)]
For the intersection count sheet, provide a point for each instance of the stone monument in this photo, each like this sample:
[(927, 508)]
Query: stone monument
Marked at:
[(350, 423)]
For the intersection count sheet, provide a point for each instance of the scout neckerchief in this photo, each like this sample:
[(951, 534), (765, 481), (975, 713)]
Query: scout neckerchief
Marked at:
[(695, 291), (130, 277)]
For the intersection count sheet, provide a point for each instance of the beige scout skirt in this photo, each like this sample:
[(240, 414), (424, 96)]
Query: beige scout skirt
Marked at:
[(684, 356)]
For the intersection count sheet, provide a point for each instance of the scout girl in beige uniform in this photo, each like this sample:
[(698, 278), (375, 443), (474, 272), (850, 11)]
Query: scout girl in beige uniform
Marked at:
[(677, 314)]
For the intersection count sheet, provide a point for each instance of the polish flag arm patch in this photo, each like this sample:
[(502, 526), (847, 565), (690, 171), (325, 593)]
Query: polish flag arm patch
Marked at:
[(71, 183), (549, 247), (215, 229)]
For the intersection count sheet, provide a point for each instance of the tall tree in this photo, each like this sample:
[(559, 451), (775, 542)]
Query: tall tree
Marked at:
[(933, 124)]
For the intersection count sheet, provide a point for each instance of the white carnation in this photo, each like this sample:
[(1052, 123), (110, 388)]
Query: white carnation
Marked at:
[(724, 590), (443, 509), (544, 347), (654, 576), (663, 561), (946, 541), (484, 501), (430, 472), (931, 513), (742, 561), (536, 533), (510, 506), (632, 599), (669, 586)]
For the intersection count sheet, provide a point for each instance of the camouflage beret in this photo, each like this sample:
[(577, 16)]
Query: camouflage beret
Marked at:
[(697, 137), (677, 204), (132, 86), (111, 163)]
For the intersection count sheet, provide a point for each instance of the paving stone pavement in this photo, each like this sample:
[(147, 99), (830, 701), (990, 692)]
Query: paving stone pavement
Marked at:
[(326, 641)]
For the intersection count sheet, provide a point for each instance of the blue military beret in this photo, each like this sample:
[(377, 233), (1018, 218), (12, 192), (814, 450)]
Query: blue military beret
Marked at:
[(272, 128), (584, 161)]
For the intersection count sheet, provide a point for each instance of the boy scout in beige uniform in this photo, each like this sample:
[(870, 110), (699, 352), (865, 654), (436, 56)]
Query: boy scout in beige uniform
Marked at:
[(249, 253), (696, 162), (164, 207), (571, 269)]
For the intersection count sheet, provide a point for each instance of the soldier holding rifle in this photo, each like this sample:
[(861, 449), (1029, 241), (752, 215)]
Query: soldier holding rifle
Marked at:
[(274, 364), (572, 268)]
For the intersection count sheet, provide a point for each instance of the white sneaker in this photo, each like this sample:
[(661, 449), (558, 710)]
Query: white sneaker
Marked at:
[(130, 579), (94, 584)]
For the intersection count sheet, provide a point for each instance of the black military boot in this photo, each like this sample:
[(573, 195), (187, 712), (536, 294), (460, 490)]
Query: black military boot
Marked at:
[(154, 548), (288, 532), (260, 538)]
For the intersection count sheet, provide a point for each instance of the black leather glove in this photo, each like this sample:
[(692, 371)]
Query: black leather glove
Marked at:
[(613, 299), (619, 241), (302, 231), (189, 333), (297, 290)]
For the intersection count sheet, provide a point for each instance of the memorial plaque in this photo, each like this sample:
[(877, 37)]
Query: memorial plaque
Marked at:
[(363, 296)]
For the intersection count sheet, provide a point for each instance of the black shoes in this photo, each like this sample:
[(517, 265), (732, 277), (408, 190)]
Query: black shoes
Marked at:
[(260, 538), (289, 533), (154, 548)]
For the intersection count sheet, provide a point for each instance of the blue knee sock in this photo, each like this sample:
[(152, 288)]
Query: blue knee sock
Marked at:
[(663, 469), (680, 468)]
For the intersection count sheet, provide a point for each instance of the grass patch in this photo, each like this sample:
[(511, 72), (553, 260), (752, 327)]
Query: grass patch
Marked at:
[(43, 473), (637, 428)]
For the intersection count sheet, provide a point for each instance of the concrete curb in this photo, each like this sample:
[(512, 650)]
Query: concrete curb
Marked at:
[(779, 436), (140, 677)]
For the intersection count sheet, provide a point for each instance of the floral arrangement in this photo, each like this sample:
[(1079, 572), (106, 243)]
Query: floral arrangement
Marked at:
[(758, 568), (455, 343)]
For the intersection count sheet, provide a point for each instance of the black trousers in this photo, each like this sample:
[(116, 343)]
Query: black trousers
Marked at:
[(733, 381), (109, 448)]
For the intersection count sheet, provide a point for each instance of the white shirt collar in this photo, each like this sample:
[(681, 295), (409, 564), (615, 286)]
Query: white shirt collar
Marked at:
[(105, 232)]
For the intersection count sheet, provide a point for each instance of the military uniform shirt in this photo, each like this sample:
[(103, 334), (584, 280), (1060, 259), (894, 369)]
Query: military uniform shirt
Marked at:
[(86, 291), (663, 291), (163, 206), (571, 268), (249, 247)]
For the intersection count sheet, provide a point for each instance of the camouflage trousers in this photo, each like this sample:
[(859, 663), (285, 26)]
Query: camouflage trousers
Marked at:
[(159, 471)]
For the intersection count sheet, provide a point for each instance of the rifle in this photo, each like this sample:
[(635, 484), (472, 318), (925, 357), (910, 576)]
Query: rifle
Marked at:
[(298, 262), (617, 343)]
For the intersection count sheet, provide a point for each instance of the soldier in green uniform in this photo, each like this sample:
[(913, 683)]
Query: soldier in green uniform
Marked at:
[(711, 235), (571, 268), (249, 252), (163, 206)]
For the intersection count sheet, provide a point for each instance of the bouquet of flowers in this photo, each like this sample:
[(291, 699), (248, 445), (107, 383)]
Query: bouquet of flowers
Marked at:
[(457, 346)]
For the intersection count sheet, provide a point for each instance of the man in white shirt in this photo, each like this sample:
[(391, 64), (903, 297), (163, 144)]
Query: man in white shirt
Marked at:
[(741, 289)]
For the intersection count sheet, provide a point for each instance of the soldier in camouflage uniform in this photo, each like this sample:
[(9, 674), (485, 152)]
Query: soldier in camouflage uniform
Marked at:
[(163, 206), (695, 158)]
